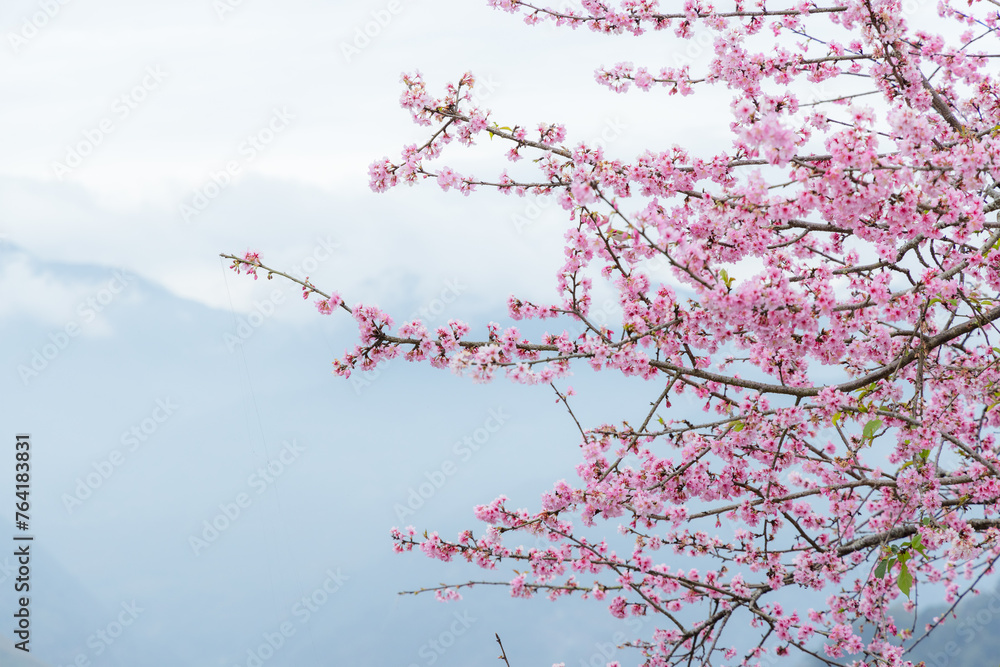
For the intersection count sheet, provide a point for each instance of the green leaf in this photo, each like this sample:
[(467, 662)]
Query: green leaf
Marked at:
[(870, 428), (905, 580), (498, 127), (920, 458), (838, 415), (738, 426), (867, 390), (726, 279), (882, 567)]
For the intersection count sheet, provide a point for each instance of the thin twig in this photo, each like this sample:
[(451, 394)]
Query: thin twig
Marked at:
[(503, 654)]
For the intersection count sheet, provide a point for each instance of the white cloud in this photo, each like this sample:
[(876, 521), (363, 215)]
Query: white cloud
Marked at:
[(59, 301)]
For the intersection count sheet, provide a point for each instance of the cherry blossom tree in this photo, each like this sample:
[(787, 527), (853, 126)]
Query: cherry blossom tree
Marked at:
[(850, 376)]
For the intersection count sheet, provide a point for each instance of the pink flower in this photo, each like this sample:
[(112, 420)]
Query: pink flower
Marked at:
[(326, 306)]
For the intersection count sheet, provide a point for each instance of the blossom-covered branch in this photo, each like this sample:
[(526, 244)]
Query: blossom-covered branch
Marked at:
[(852, 376)]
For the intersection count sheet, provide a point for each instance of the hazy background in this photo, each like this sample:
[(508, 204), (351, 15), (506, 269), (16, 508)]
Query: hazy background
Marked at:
[(156, 384)]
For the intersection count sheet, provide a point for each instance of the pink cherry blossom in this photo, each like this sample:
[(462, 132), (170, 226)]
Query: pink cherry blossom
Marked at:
[(824, 286)]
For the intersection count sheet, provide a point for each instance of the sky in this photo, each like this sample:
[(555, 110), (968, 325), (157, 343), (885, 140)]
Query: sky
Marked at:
[(204, 491)]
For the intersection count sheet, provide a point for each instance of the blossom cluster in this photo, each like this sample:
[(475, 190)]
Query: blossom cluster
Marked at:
[(851, 385)]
